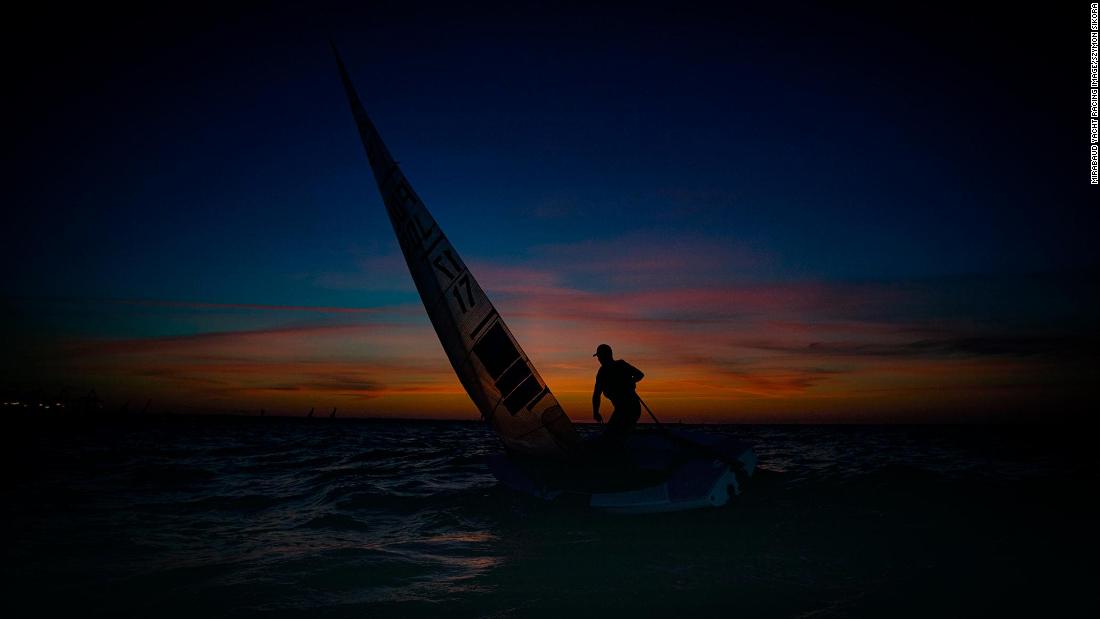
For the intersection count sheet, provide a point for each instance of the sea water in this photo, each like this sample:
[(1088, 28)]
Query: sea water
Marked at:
[(272, 517)]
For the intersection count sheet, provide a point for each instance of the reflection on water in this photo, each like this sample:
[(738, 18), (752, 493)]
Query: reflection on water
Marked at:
[(240, 517)]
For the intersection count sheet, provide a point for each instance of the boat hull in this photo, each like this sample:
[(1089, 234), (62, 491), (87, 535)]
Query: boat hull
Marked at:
[(656, 471)]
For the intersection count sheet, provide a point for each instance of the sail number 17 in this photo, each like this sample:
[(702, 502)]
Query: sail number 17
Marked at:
[(463, 284)]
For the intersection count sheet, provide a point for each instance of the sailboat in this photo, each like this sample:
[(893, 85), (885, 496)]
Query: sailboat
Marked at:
[(543, 453)]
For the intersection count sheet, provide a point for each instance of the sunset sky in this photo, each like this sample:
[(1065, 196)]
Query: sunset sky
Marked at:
[(786, 214)]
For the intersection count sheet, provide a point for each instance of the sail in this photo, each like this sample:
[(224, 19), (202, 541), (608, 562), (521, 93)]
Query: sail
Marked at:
[(488, 360)]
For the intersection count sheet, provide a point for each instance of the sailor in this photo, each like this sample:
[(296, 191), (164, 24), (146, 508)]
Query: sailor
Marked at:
[(616, 379)]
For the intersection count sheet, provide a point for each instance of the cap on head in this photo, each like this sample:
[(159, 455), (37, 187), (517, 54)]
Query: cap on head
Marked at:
[(603, 350)]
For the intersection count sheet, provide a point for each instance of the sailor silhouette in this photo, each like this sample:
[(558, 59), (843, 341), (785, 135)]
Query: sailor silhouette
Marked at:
[(616, 379)]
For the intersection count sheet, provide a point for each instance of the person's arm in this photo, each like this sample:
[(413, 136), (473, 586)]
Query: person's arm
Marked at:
[(635, 374), (596, 401)]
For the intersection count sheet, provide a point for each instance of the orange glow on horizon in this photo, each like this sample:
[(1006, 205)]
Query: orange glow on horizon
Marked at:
[(749, 352)]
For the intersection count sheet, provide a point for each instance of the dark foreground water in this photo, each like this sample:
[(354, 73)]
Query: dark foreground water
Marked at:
[(224, 517)]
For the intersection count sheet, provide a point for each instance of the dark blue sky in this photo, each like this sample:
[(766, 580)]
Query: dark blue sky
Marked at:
[(853, 142), (207, 154)]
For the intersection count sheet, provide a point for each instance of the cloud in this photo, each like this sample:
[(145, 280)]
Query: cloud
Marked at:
[(647, 259), (379, 272), (208, 305), (768, 345), (963, 346), (276, 341)]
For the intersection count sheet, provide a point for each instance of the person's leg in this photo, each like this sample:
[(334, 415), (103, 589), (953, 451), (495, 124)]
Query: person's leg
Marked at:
[(628, 416), (621, 423), (614, 434)]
